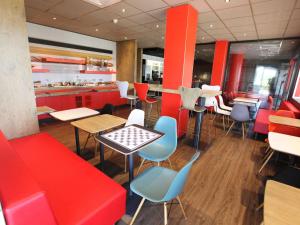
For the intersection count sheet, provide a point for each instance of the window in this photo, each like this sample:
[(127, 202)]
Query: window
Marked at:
[(264, 80), (296, 94)]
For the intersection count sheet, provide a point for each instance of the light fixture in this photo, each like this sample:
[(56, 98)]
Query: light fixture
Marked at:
[(115, 21), (97, 29), (227, 1), (123, 10), (163, 37), (102, 3), (244, 34), (125, 38), (54, 18), (157, 26), (211, 26), (203, 38)]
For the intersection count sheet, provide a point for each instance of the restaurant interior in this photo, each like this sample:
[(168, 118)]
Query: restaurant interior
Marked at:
[(149, 112)]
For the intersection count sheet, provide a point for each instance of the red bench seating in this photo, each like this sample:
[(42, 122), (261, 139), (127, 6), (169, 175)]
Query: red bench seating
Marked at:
[(44, 183), (287, 105), (261, 124)]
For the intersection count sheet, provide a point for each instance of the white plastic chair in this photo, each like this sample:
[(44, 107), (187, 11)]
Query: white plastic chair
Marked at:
[(222, 105), (220, 111), (123, 88), (209, 101)]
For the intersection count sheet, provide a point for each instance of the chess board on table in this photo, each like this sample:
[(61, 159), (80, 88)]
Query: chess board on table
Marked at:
[(129, 139)]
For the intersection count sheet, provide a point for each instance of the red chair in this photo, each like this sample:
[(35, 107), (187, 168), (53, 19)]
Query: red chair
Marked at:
[(142, 91)]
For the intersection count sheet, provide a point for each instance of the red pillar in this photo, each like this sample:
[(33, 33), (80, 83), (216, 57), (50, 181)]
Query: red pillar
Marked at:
[(235, 71), (219, 64), (180, 41)]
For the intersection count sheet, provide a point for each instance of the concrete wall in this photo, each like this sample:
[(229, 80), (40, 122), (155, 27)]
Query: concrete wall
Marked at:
[(126, 60), (17, 100)]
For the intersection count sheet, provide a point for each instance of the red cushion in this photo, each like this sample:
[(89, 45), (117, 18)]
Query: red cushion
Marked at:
[(261, 124), (23, 201), (77, 192), (151, 100), (286, 105)]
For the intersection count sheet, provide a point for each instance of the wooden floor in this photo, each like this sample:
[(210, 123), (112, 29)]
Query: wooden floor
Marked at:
[(223, 186)]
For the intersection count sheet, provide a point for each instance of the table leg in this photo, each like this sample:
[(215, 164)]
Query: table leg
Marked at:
[(77, 141), (198, 124), (101, 156), (131, 171)]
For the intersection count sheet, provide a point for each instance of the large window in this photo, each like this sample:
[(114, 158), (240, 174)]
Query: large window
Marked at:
[(264, 80), (296, 94)]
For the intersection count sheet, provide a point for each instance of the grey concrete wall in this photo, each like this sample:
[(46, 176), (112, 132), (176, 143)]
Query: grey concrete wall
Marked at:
[(17, 100)]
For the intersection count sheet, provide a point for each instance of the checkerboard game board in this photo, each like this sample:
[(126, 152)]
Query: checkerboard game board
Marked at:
[(131, 137)]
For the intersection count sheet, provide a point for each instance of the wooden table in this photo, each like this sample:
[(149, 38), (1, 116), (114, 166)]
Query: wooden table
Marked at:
[(281, 204), (41, 110), (74, 114), (284, 120), (95, 125)]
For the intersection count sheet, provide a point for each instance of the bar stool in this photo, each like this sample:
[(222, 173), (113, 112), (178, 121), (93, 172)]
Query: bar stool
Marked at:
[(142, 90), (123, 88), (189, 97)]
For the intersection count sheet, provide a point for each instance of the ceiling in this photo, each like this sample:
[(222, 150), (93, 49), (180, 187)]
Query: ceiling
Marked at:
[(144, 20)]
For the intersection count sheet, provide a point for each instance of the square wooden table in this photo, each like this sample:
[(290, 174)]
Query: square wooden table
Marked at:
[(73, 114), (129, 140), (95, 125), (281, 204), (41, 110)]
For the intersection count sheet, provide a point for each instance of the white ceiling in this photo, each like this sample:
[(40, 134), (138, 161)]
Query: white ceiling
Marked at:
[(237, 20)]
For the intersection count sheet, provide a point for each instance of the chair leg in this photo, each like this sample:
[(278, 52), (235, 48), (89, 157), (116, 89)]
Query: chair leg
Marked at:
[(86, 141), (131, 104), (230, 128), (267, 150), (170, 163), (223, 122), (157, 107), (267, 160), (181, 206), (140, 166), (165, 214), (243, 130), (137, 211), (149, 114)]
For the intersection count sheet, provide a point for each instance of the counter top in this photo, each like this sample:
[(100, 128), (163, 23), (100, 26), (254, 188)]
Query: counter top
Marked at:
[(71, 90)]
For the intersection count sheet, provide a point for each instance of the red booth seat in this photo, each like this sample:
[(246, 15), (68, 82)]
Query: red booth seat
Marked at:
[(43, 182), (286, 105), (261, 124)]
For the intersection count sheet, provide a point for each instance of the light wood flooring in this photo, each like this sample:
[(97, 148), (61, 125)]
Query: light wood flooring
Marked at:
[(223, 186)]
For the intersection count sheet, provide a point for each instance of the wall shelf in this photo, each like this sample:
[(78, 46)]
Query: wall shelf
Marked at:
[(39, 70), (65, 61), (97, 72)]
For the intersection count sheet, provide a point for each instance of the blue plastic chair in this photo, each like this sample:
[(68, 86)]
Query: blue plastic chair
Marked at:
[(161, 149), (159, 184)]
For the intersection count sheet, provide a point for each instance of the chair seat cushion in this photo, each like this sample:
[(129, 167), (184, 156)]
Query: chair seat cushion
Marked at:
[(151, 100), (153, 184), (156, 152), (261, 124)]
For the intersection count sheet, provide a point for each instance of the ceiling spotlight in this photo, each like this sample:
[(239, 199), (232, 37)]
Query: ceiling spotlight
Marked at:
[(97, 29), (123, 10), (115, 21), (125, 38), (203, 38), (244, 34), (211, 26), (163, 37), (54, 18), (227, 1), (157, 26)]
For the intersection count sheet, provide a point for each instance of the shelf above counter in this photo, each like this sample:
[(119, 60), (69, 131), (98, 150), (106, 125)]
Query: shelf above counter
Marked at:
[(98, 72), (64, 61), (39, 70)]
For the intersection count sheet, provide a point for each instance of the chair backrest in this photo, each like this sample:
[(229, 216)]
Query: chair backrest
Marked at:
[(141, 90), (168, 126), (123, 88), (221, 101), (240, 113), (189, 97), (107, 109), (211, 87), (180, 179), (136, 116)]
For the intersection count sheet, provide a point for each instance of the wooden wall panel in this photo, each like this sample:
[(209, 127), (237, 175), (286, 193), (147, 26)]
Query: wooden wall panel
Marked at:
[(17, 99), (126, 60)]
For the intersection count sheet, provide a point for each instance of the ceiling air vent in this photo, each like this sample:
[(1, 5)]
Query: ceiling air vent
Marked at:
[(102, 3)]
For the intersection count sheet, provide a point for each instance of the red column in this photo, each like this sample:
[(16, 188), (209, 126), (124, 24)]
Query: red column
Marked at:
[(180, 41), (235, 71), (219, 64)]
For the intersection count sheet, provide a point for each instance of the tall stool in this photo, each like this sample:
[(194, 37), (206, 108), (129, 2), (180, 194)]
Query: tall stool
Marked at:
[(141, 91), (123, 88), (189, 97)]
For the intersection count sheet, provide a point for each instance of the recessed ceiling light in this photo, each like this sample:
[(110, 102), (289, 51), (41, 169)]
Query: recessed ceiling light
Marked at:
[(202, 38), (211, 26), (163, 37), (157, 26), (115, 21), (97, 29), (125, 38), (54, 18), (227, 1), (244, 34), (123, 10), (102, 3)]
